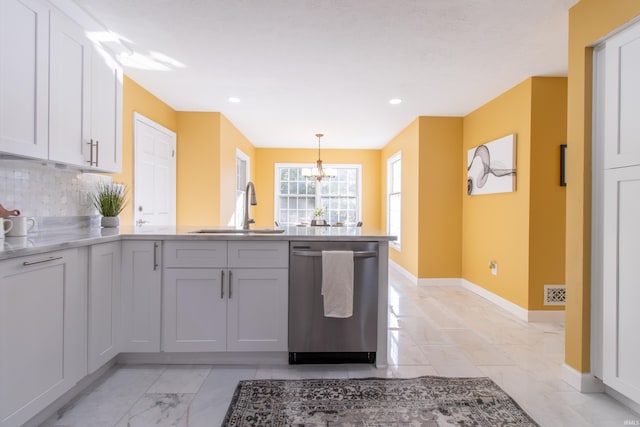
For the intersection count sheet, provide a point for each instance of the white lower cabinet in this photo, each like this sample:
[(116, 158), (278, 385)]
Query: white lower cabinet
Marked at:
[(104, 304), (141, 296), (195, 309), (43, 350), (257, 309), (215, 301)]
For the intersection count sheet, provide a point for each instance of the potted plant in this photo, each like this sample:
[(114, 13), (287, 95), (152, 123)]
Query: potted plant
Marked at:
[(110, 200), (317, 214)]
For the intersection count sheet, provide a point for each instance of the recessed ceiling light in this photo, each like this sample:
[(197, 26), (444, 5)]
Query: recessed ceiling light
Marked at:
[(234, 99), (395, 101)]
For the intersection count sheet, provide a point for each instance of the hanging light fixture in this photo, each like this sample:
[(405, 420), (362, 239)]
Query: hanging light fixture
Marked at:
[(318, 172)]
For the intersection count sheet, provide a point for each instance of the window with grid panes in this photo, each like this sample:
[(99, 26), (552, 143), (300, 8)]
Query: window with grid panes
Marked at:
[(297, 196), (394, 198)]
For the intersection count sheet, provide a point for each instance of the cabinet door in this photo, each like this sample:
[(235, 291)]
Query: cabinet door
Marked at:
[(70, 61), (621, 292), (24, 77), (104, 304), (43, 330), (194, 309), (622, 99), (141, 295), (106, 113), (257, 309)]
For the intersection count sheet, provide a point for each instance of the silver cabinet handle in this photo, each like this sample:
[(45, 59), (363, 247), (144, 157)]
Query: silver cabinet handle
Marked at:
[(221, 284), (91, 145), (230, 288), (40, 261), (90, 161), (155, 255), (356, 254), (97, 151)]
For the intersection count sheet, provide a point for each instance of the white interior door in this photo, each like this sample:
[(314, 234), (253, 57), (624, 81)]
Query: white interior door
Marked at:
[(154, 173), (620, 172)]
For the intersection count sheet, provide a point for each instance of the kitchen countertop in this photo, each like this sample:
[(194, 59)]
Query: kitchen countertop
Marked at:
[(48, 240)]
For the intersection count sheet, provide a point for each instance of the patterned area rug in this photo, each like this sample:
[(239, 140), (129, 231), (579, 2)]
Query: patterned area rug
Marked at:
[(423, 401)]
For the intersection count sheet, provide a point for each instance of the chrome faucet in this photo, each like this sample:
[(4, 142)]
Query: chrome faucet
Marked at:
[(249, 190)]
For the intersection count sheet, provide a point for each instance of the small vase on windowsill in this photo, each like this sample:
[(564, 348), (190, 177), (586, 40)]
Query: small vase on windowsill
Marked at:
[(317, 217)]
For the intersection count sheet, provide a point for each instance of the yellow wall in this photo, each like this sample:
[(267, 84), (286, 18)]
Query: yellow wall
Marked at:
[(266, 158), (589, 21), (230, 140), (547, 196), (408, 142), (206, 189), (440, 202), (431, 235), (496, 226), (137, 99), (198, 177)]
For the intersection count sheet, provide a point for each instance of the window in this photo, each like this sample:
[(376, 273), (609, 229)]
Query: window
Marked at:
[(242, 178), (394, 197), (297, 196)]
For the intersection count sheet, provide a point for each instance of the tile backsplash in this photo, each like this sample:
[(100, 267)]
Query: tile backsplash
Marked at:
[(45, 190)]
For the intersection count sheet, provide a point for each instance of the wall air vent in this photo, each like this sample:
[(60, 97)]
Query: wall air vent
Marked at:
[(555, 294)]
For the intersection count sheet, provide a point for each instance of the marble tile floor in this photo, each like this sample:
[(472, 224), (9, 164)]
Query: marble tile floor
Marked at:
[(435, 330)]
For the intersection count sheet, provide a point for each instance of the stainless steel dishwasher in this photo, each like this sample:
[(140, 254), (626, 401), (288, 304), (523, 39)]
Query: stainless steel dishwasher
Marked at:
[(314, 338)]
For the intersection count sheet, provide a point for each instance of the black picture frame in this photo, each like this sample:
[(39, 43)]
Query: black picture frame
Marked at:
[(563, 165)]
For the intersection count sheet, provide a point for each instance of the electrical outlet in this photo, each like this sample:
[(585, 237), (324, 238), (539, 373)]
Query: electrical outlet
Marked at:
[(493, 266)]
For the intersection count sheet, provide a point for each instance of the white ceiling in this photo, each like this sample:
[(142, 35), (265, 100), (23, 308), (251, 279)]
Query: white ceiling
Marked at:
[(300, 67)]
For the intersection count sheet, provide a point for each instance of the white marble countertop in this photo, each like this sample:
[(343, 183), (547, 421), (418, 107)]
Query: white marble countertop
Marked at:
[(49, 240)]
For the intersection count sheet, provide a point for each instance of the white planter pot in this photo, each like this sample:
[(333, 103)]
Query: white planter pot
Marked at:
[(110, 221)]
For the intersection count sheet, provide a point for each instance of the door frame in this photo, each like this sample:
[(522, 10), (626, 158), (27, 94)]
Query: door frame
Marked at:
[(140, 119), (597, 211)]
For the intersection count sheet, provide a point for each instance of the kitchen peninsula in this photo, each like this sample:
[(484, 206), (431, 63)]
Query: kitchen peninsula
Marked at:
[(75, 301)]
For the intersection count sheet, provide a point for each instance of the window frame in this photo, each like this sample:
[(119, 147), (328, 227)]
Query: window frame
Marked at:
[(318, 195), (238, 214), (391, 160)]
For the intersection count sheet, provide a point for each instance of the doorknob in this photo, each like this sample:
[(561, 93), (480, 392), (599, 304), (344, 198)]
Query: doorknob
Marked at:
[(140, 208)]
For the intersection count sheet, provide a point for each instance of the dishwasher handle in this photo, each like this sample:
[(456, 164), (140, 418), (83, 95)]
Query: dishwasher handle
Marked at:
[(356, 254)]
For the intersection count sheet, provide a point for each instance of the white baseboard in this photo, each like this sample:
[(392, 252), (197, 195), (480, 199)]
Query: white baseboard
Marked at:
[(534, 316), (507, 305), (584, 382), (445, 281), (400, 269)]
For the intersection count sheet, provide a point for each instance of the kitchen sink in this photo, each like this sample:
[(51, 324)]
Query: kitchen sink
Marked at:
[(238, 231)]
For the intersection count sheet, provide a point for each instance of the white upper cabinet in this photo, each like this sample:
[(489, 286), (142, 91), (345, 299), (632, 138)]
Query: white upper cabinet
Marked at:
[(69, 97), (622, 99), (106, 112), (24, 72), (85, 102), (60, 93)]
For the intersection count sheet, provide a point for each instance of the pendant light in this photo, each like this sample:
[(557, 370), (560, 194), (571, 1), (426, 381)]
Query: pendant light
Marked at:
[(318, 172)]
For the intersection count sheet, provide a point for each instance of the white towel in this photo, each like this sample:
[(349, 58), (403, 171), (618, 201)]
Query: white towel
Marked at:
[(337, 283)]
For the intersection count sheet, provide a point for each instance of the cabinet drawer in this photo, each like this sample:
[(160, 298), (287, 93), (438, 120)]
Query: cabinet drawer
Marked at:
[(259, 254), (195, 254)]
